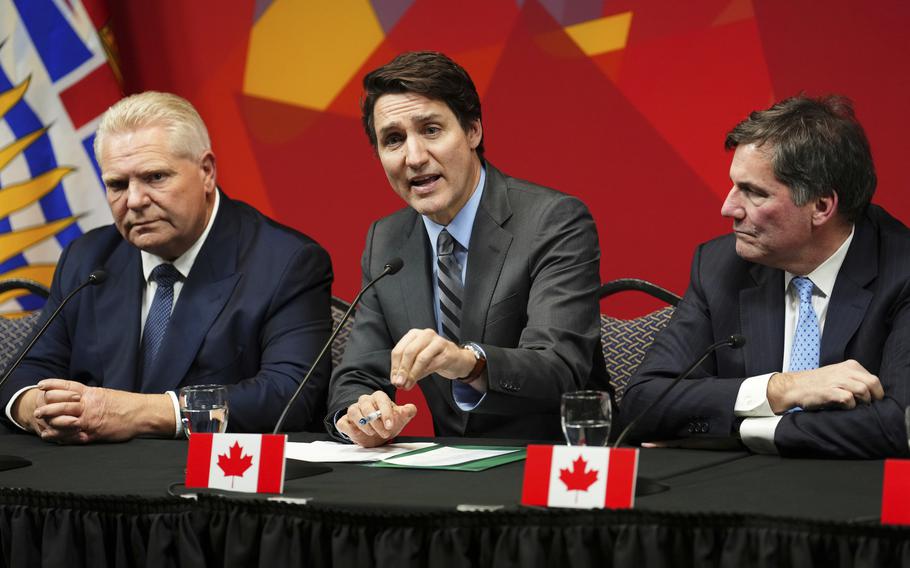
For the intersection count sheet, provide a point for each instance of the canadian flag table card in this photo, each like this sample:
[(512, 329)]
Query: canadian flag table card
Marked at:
[(580, 477), (249, 463)]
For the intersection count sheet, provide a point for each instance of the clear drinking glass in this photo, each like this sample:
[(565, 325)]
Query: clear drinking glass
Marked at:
[(204, 408), (907, 422), (586, 418)]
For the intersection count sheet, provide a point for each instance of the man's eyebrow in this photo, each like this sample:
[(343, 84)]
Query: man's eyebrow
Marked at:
[(419, 119)]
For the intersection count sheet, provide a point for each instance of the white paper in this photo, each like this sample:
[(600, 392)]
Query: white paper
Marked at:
[(337, 452), (445, 456)]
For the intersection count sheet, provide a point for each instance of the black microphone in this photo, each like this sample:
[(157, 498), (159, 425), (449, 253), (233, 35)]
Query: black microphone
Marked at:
[(96, 277), (733, 342), (391, 267)]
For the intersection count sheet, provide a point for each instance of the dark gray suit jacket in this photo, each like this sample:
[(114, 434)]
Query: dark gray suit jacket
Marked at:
[(530, 302), (868, 320)]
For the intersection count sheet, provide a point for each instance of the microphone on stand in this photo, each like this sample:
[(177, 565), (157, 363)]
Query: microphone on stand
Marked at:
[(97, 276), (734, 342), (391, 267)]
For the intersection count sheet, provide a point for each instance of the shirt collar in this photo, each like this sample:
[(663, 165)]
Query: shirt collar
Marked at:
[(184, 262), (824, 276), (461, 226)]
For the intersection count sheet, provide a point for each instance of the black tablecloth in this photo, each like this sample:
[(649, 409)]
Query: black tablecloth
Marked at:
[(108, 504)]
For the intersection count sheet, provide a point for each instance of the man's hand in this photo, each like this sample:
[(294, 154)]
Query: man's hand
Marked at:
[(842, 385), (393, 418), (70, 412), (422, 352)]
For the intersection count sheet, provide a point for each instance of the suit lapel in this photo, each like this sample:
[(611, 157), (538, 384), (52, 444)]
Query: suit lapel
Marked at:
[(205, 292), (117, 315), (416, 280), (762, 317), (850, 298), (489, 246)]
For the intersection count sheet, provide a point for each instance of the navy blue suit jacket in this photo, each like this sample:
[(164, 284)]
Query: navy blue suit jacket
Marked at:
[(868, 320), (253, 313)]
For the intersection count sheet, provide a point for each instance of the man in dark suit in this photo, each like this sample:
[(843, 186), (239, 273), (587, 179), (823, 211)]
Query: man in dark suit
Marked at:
[(818, 282), (201, 289), (495, 312)]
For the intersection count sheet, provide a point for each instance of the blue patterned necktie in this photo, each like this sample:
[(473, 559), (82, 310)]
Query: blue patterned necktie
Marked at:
[(448, 278), (805, 350), (158, 317)]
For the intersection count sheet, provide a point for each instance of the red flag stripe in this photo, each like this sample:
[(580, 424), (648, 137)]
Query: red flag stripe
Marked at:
[(896, 493), (271, 463), (199, 460), (536, 487), (91, 96), (621, 478)]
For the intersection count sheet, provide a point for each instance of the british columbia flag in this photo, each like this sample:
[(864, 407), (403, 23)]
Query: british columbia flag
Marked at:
[(58, 74)]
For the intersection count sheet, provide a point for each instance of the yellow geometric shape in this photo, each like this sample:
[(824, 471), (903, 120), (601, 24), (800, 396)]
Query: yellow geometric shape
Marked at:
[(603, 35), (17, 196), (12, 244), (7, 154), (12, 96), (304, 53)]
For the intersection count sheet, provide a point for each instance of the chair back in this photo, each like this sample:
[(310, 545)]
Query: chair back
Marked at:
[(339, 307), (15, 331), (625, 342)]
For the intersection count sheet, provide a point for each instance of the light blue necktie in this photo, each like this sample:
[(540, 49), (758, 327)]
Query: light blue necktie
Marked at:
[(159, 316), (804, 351)]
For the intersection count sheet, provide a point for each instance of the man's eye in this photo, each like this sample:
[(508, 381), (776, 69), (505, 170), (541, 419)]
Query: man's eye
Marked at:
[(431, 130), (156, 176), (392, 140)]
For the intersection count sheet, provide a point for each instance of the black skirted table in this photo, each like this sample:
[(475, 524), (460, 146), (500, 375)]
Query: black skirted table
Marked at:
[(111, 505)]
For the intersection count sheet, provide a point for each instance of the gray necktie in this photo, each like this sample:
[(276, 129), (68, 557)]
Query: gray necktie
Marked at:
[(450, 288)]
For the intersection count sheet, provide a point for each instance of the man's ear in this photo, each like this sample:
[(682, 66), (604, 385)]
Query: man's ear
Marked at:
[(208, 171), (475, 134), (824, 209)]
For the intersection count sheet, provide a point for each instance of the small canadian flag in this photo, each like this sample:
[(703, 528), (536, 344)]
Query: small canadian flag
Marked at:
[(581, 477), (251, 463)]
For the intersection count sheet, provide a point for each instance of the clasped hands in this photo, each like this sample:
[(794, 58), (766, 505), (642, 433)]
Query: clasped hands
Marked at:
[(841, 385), (419, 353), (69, 412)]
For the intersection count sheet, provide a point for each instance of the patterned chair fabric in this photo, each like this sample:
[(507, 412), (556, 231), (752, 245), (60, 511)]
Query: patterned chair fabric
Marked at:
[(339, 307), (13, 334), (625, 342), (14, 331)]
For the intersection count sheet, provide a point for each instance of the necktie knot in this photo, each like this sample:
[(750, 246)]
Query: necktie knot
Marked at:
[(165, 275), (445, 244), (804, 288)]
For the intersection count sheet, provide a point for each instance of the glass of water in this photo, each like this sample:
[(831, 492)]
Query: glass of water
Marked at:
[(907, 422), (586, 418), (203, 408)]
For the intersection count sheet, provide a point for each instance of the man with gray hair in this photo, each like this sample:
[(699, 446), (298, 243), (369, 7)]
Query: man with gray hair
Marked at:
[(817, 280), (201, 289)]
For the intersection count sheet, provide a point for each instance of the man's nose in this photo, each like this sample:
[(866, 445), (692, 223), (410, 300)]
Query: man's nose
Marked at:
[(732, 206), (137, 195), (415, 153)]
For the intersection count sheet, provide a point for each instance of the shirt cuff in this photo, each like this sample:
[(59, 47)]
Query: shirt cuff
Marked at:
[(466, 397), (335, 420), (178, 428), (752, 399), (758, 434), (12, 401)]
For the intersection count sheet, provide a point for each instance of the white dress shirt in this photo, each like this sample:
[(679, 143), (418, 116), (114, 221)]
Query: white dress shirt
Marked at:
[(757, 429)]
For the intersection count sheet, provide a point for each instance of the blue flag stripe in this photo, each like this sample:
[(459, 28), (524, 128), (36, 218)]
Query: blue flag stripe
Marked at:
[(58, 45)]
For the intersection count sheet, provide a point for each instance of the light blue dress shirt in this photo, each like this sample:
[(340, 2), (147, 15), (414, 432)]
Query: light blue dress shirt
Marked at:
[(460, 228)]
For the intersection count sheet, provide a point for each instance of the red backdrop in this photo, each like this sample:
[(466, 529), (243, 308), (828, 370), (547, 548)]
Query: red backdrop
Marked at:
[(636, 131)]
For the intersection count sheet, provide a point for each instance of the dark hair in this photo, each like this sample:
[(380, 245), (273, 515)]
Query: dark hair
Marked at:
[(817, 147), (426, 73)]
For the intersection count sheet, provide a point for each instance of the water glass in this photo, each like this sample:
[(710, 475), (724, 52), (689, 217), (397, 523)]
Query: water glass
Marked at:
[(586, 418), (907, 422), (203, 408)]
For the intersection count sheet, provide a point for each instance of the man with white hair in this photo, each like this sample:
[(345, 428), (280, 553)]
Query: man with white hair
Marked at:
[(201, 289)]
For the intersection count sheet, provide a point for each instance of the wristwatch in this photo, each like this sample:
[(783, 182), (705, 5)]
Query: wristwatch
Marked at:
[(480, 362)]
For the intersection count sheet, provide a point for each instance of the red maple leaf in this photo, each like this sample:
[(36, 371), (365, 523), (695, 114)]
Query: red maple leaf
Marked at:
[(234, 465), (577, 479)]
